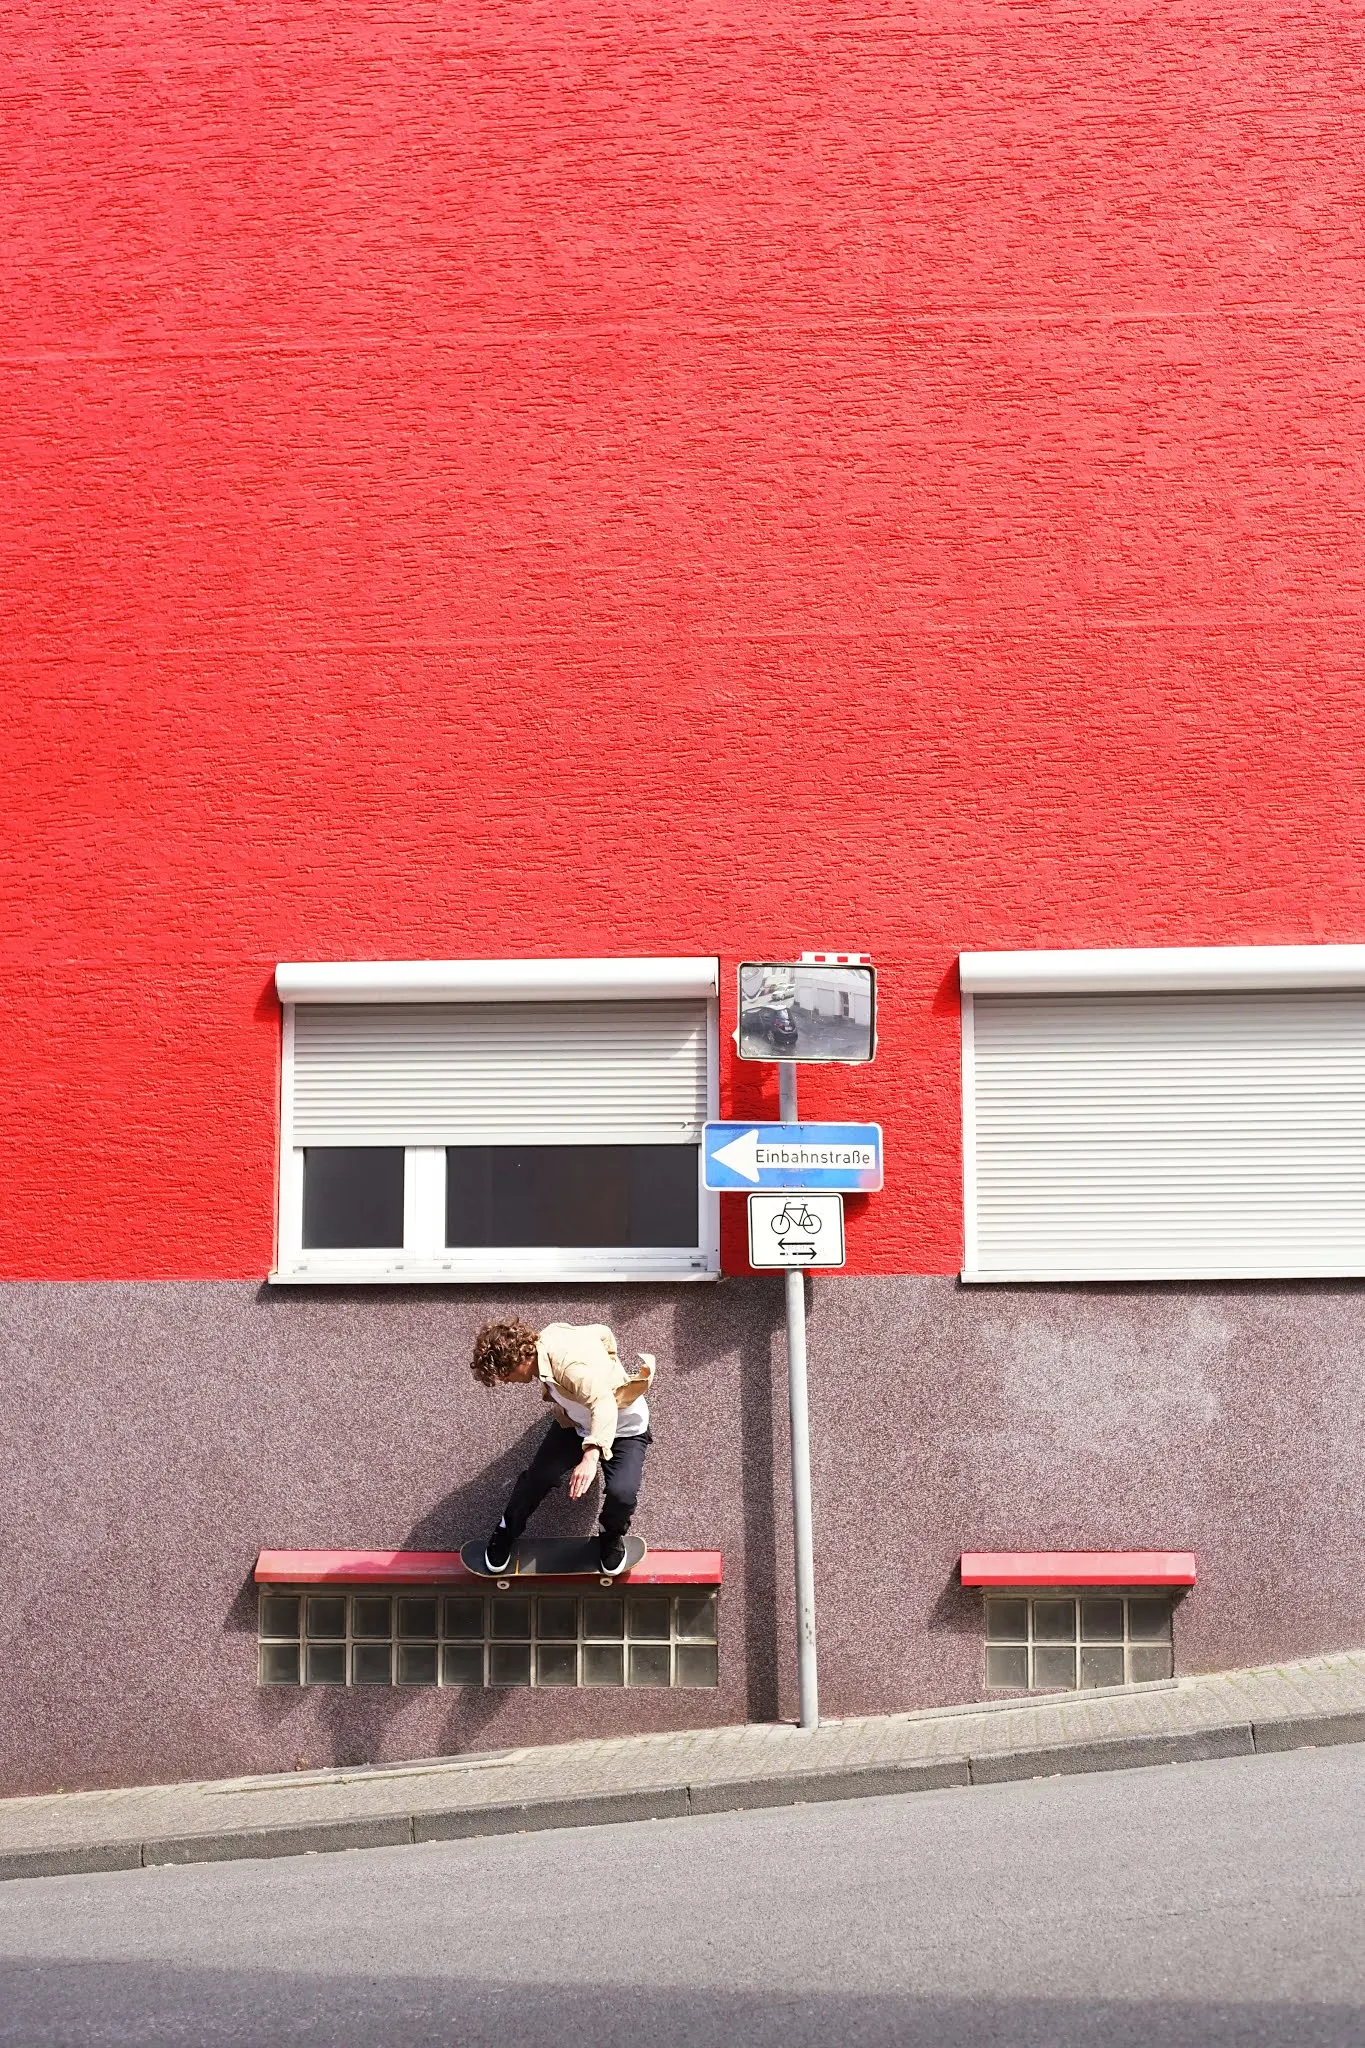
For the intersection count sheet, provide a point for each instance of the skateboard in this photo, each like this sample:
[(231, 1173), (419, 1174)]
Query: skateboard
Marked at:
[(553, 1557)]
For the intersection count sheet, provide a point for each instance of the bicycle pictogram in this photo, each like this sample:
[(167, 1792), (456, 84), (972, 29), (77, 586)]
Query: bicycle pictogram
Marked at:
[(796, 1218)]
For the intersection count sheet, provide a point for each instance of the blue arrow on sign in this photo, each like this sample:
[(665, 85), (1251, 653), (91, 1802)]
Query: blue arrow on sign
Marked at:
[(799, 1156)]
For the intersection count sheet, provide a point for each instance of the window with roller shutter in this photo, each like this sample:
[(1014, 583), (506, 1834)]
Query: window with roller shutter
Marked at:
[(1173, 1113), (538, 1125)]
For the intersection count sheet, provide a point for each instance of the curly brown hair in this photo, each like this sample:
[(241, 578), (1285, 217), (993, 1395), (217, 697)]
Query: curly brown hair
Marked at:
[(499, 1349)]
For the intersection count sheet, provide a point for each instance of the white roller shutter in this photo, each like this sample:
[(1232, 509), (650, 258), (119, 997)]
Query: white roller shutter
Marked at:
[(550, 1073), (1203, 1135)]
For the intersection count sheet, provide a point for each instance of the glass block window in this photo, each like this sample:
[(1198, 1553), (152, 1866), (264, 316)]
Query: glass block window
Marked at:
[(489, 1639), (1053, 1642)]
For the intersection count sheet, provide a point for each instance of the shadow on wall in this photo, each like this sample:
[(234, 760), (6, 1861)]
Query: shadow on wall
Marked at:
[(717, 1436), (707, 1332)]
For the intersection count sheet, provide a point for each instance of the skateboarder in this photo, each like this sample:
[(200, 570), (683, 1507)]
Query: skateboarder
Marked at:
[(601, 1421)]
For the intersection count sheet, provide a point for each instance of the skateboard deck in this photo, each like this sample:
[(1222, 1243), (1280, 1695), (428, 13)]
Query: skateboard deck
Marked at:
[(553, 1557)]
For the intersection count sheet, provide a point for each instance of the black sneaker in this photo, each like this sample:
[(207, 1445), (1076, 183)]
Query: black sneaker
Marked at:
[(497, 1552), (612, 1555)]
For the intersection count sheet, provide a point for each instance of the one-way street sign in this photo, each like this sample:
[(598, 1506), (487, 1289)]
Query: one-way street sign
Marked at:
[(798, 1156)]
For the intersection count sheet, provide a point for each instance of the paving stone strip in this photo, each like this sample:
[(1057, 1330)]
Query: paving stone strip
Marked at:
[(690, 1771)]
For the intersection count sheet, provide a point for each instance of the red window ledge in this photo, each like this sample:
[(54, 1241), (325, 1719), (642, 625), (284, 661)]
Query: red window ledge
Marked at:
[(444, 1567), (1078, 1567)]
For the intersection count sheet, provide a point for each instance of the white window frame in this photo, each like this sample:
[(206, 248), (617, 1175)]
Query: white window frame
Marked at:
[(424, 1257), (1136, 970)]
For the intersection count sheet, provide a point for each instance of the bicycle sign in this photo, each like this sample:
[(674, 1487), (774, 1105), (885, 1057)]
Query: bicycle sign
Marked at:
[(796, 1230)]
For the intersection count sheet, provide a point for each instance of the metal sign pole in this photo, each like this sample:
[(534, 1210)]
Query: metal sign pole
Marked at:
[(802, 1528)]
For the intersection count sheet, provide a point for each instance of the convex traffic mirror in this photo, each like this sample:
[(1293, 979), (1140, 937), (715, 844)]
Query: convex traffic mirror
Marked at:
[(802, 1010)]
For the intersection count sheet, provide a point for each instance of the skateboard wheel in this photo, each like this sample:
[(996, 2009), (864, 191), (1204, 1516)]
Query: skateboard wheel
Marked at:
[(503, 1584), (605, 1581)]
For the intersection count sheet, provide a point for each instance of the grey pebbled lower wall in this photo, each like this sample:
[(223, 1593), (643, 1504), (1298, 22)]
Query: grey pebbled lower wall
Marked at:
[(159, 1434)]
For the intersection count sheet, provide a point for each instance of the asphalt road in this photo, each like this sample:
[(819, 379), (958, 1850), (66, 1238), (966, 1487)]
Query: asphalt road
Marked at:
[(1192, 1904)]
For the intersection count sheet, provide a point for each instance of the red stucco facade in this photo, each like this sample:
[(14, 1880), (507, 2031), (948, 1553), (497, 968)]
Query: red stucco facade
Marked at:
[(590, 480)]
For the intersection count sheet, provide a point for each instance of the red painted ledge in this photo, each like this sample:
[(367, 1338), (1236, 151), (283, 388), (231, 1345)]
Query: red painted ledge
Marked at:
[(444, 1568), (1078, 1567)]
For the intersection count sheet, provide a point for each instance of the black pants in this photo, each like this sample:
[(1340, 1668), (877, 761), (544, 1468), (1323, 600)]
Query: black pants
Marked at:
[(560, 1450)]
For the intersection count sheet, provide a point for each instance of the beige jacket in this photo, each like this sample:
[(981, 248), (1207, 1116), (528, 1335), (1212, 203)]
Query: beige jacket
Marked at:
[(581, 1361)]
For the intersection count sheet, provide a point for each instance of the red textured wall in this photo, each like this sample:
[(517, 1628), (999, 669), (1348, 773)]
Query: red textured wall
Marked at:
[(669, 478)]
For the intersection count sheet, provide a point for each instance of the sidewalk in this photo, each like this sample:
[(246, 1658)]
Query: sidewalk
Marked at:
[(707, 1770)]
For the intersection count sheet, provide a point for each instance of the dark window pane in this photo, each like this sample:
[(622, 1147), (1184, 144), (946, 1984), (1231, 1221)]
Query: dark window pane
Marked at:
[(279, 1614), (565, 1195), (352, 1197)]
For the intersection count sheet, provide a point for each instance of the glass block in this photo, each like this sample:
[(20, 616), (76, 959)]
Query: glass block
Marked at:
[(279, 1614), (557, 1618), (650, 1663), (1102, 1665), (556, 1664), (372, 1615), (279, 1663), (1054, 1667), (1007, 1667), (1102, 1622), (512, 1617), (604, 1617), (649, 1617), (1007, 1621), (327, 1663), (509, 1664), (694, 1617), (417, 1618), (462, 1664), (603, 1664), (464, 1616), (696, 1664), (1147, 1661), (371, 1664), (1054, 1621), (417, 1663), (1149, 1621), (327, 1617)]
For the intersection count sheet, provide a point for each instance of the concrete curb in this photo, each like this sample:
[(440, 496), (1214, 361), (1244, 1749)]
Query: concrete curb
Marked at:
[(677, 1802)]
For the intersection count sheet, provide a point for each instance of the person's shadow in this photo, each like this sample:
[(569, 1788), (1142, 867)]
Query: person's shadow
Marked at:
[(472, 1508)]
